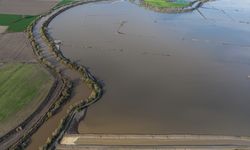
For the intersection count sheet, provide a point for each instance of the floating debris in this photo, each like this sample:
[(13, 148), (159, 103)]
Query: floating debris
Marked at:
[(244, 22), (57, 47), (120, 26), (195, 40), (57, 41)]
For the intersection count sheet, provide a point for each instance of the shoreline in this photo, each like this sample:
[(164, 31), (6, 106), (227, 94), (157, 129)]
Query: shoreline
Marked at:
[(193, 6), (140, 141), (86, 77), (82, 105), (179, 135)]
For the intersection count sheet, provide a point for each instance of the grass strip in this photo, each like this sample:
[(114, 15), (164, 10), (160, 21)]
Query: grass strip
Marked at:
[(167, 3)]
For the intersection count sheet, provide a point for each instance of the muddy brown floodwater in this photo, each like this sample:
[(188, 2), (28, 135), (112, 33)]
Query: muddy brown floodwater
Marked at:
[(163, 73)]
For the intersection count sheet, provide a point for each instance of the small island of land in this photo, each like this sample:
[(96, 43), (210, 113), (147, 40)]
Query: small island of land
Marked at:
[(167, 3)]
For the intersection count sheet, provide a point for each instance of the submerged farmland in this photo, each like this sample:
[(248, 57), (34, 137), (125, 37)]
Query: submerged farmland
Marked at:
[(163, 73)]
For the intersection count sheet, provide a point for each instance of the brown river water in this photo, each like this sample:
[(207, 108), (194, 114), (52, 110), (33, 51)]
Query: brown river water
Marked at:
[(163, 73)]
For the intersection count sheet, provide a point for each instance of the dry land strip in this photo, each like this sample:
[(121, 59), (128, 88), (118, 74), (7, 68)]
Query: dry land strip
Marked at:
[(15, 47), (102, 141)]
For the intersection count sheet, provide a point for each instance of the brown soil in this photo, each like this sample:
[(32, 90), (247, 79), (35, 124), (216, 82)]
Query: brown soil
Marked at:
[(26, 7), (15, 47)]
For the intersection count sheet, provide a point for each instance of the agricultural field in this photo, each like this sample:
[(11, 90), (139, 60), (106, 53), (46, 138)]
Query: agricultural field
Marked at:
[(26, 7), (167, 3), (25, 85), (15, 47), (16, 23), (18, 15), (22, 86)]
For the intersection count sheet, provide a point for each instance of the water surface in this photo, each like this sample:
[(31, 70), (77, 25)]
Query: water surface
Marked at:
[(163, 73)]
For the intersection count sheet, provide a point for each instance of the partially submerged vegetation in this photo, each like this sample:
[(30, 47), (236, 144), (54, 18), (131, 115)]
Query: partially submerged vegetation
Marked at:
[(20, 84), (86, 77), (167, 3), (16, 23)]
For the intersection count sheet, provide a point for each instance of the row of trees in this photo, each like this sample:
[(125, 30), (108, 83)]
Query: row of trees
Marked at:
[(60, 100), (86, 77)]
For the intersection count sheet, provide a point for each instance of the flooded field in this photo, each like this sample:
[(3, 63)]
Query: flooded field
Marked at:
[(163, 73)]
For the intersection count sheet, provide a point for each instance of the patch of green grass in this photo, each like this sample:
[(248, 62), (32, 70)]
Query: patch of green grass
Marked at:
[(16, 23), (20, 84), (64, 2), (167, 3)]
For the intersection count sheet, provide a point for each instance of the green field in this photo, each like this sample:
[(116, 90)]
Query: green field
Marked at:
[(20, 84), (167, 3), (16, 23)]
